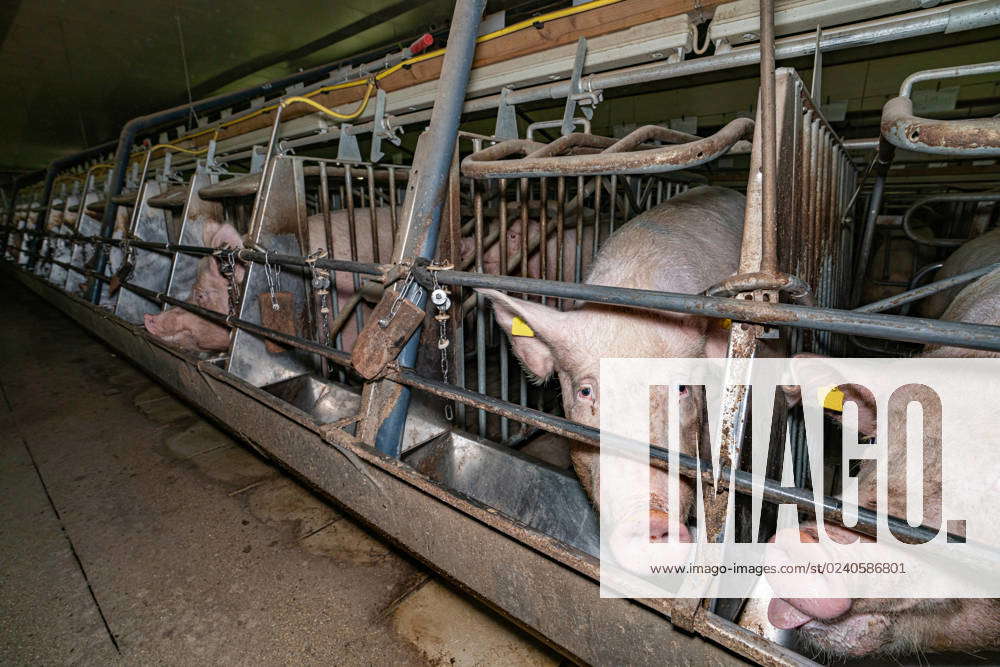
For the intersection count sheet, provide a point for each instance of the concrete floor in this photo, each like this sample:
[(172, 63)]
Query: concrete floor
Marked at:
[(134, 531)]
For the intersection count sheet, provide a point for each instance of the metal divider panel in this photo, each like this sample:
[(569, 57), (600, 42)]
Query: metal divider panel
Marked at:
[(43, 247), (185, 267), (152, 269), (82, 251), (283, 208), (115, 256), (64, 248), (61, 251)]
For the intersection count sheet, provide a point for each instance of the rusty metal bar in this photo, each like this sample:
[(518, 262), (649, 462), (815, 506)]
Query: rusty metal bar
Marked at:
[(969, 137), (769, 137), (487, 163), (956, 197), (891, 327), (931, 288)]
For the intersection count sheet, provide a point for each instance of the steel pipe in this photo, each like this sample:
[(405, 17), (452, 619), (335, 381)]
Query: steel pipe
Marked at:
[(862, 323), (946, 73), (918, 293), (868, 234), (891, 327), (973, 137), (956, 197), (421, 217), (769, 138)]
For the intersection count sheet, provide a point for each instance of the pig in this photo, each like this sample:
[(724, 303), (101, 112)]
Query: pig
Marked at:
[(491, 254), (844, 627), (685, 244), (210, 291), (976, 253)]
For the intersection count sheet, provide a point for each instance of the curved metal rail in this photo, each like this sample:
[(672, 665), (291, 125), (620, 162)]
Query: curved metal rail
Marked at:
[(973, 137), (957, 197), (583, 155)]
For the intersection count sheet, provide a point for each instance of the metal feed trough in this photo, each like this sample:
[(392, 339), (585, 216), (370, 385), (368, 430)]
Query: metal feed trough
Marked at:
[(460, 495)]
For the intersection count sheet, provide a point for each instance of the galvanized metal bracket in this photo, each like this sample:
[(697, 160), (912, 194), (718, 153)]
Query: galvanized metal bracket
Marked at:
[(132, 182), (166, 172), (383, 128), (583, 95), (506, 127), (211, 165), (257, 156), (347, 148)]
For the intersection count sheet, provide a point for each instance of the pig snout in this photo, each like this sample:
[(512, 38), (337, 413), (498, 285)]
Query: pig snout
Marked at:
[(151, 323), (846, 627), (630, 546)]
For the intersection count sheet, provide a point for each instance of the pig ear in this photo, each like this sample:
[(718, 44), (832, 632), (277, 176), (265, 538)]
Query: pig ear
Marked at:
[(536, 332), (226, 236), (861, 396)]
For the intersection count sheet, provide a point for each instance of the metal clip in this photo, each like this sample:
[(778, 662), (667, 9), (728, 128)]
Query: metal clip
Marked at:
[(271, 275), (383, 128), (506, 127), (586, 99), (347, 147)]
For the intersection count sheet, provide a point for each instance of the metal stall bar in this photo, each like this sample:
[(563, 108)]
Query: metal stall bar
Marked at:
[(686, 152), (422, 207), (832, 509), (933, 199), (970, 137), (890, 327), (918, 293)]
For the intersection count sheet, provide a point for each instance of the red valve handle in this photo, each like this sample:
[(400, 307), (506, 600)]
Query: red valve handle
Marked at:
[(422, 43)]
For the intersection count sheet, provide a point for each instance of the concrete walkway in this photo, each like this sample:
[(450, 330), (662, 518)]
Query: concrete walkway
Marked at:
[(133, 531)]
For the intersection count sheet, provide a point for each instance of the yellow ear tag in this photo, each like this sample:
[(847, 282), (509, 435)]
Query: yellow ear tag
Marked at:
[(833, 398), (520, 328), (725, 324)]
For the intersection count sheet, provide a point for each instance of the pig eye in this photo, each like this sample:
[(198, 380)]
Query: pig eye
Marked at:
[(585, 392)]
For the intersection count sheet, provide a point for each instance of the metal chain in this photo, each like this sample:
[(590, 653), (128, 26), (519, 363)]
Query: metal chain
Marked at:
[(394, 308), (128, 260), (271, 275), (226, 257), (321, 287), (440, 297)]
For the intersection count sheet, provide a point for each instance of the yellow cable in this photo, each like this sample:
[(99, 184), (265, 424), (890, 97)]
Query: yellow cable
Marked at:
[(173, 147), (521, 25), (329, 112)]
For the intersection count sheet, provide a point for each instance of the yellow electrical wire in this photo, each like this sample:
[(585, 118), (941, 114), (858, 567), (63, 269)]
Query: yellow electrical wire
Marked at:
[(179, 149), (521, 25), (329, 112), (67, 177), (189, 151)]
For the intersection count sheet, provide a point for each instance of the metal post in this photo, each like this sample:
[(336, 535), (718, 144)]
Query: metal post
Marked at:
[(769, 136), (417, 236), (867, 238)]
